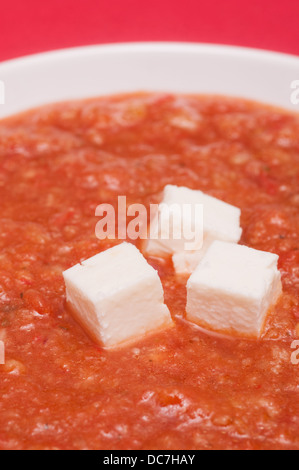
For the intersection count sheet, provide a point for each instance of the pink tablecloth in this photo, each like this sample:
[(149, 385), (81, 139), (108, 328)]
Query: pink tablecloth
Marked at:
[(30, 26)]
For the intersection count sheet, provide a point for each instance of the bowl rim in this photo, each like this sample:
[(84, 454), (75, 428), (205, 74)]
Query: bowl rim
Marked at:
[(32, 81), (151, 46)]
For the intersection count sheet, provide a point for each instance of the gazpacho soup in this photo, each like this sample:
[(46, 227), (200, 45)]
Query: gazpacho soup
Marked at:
[(186, 384)]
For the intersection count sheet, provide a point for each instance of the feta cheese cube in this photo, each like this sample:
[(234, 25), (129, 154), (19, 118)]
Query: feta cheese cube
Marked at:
[(233, 288), (185, 262), (177, 224), (116, 296), (221, 221)]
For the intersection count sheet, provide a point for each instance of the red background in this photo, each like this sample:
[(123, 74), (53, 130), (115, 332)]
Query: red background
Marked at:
[(29, 26)]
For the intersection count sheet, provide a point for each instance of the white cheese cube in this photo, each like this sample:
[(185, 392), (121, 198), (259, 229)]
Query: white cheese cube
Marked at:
[(116, 296), (233, 288), (185, 262), (221, 221), (177, 224)]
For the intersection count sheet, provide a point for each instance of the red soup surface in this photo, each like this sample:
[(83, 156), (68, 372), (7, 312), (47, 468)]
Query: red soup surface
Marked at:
[(179, 389)]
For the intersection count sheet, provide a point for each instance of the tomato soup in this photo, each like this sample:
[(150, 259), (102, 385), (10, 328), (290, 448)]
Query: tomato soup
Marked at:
[(183, 388)]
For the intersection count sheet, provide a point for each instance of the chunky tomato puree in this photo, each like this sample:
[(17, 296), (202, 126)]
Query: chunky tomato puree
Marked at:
[(179, 389)]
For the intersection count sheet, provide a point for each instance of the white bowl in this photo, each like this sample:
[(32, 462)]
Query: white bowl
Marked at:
[(174, 67)]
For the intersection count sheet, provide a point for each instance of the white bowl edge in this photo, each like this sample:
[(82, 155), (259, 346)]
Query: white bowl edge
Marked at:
[(90, 71)]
